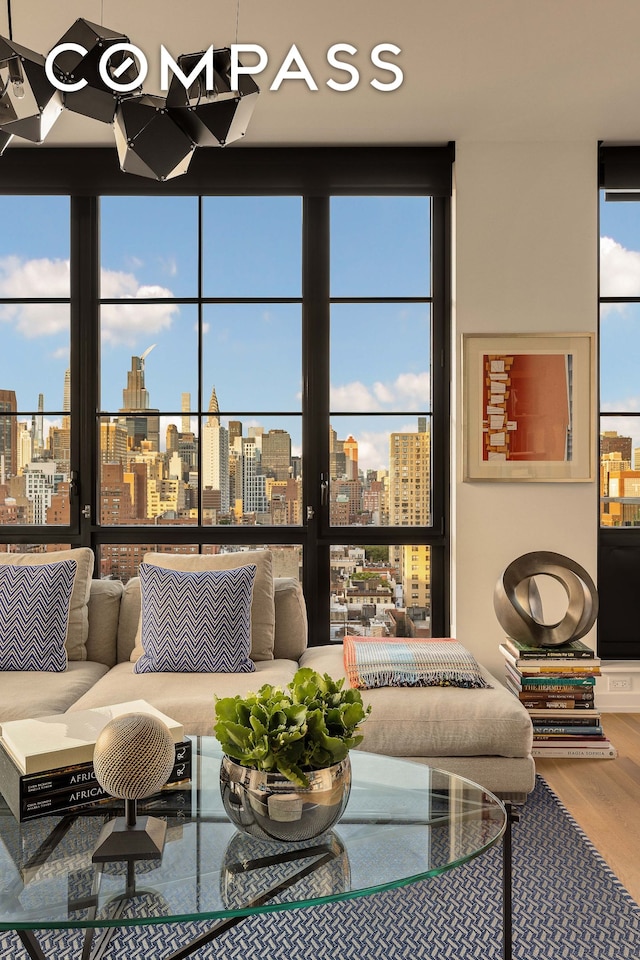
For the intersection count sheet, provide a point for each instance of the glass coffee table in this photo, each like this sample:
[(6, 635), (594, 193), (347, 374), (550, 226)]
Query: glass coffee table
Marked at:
[(404, 822)]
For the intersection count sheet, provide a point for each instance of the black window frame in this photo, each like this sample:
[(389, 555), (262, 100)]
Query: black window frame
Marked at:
[(316, 174)]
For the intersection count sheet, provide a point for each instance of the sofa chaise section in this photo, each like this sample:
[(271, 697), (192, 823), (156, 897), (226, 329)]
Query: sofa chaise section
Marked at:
[(483, 734)]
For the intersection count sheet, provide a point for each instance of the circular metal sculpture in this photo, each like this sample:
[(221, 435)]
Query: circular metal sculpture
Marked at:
[(518, 605)]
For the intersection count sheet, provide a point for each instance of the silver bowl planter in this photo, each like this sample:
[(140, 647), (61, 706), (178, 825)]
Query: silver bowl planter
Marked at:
[(268, 806)]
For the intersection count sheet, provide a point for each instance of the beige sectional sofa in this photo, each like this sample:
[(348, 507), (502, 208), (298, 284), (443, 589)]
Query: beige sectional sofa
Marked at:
[(484, 734)]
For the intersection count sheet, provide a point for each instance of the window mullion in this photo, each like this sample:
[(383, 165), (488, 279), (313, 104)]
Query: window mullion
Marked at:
[(85, 357)]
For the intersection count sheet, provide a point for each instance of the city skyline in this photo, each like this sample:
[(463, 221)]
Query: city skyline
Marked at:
[(251, 352)]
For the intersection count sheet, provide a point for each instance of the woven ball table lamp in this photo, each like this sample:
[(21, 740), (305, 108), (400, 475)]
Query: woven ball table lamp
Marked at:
[(132, 759)]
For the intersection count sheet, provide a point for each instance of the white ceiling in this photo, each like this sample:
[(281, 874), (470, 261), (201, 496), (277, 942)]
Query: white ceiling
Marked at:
[(473, 69)]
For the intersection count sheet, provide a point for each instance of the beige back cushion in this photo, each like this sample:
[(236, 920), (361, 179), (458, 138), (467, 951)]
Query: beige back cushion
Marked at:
[(291, 619), (78, 626), (263, 613), (104, 615)]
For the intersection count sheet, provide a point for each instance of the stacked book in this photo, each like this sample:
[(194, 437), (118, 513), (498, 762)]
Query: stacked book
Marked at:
[(46, 764), (557, 687)]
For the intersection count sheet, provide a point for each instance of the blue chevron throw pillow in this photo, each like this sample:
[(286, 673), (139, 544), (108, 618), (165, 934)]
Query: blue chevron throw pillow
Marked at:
[(34, 613), (196, 621)]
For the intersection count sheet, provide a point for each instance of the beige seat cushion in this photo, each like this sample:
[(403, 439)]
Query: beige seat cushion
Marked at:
[(78, 627), (187, 698), (263, 613), (436, 721), (39, 693)]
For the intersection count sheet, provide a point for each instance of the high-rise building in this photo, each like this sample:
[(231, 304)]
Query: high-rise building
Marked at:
[(276, 454), (60, 446), (337, 460), (145, 424), (611, 442), (214, 407), (115, 495), (66, 397), (235, 430), (215, 454), (136, 478), (38, 430), (186, 408), (414, 564), (40, 486), (8, 435), (171, 439), (254, 496), (410, 471), (24, 445), (350, 448), (113, 442)]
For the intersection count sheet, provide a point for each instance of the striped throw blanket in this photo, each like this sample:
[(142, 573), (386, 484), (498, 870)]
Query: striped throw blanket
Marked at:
[(371, 662)]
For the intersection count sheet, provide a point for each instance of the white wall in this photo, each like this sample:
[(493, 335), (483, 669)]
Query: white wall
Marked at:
[(525, 260)]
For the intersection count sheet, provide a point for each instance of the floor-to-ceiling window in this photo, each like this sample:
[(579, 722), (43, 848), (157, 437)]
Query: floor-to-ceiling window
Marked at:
[(619, 455), (257, 357)]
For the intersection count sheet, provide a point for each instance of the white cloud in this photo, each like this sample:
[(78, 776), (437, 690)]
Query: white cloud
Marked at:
[(169, 266), (409, 391), (630, 405), (353, 396), (121, 323), (373, 447), (619, 270)]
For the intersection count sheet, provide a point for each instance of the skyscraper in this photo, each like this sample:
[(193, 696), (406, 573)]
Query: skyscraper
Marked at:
[(409, 475), (215, 454), (186, 408), (276, 454), (38, 430), (145, 425), (8, 435)]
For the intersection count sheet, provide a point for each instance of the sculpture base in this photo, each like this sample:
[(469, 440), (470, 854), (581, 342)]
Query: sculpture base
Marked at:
[(120, 841)]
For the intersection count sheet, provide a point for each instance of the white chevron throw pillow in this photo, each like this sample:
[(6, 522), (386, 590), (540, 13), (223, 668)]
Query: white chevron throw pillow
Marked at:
[(34, 614), (196, 621)]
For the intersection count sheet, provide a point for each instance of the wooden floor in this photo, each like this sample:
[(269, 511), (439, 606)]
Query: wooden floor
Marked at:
[(603, 796)]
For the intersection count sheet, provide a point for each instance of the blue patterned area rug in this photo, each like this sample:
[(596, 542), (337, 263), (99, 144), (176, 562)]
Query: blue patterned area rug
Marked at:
[(567, 905)]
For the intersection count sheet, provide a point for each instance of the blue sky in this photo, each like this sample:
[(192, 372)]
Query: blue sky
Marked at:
[(380, 353)]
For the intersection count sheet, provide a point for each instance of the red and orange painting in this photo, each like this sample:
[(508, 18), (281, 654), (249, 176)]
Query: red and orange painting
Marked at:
[(527, 407)]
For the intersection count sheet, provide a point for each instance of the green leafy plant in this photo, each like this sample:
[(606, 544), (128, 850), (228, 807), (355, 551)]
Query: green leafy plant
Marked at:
[(312, 723)]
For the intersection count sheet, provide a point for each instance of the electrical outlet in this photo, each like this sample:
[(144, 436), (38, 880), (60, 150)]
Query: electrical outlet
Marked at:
[(619, 683)]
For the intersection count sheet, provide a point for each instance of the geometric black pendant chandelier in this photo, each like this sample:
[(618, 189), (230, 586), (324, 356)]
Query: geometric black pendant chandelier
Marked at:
[(95, 99), (149, 141), (29, 105), (155, 136), (215, 117)]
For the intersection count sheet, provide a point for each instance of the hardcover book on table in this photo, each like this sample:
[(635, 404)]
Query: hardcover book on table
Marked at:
[(576, 649), (34, 795), (45, 743)]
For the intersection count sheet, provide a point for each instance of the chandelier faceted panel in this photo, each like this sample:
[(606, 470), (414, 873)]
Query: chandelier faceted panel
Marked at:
[(149, 142), (96, 99), (212, 118), (155, 136), (29, 104)]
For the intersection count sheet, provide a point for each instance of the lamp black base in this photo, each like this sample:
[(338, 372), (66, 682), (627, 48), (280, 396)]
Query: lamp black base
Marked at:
[(120, 841)]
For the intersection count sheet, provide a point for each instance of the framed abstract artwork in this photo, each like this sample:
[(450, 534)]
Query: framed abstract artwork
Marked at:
[(529, 406)]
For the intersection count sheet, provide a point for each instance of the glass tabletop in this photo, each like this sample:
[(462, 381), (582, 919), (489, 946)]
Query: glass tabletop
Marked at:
[(404, 822)]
